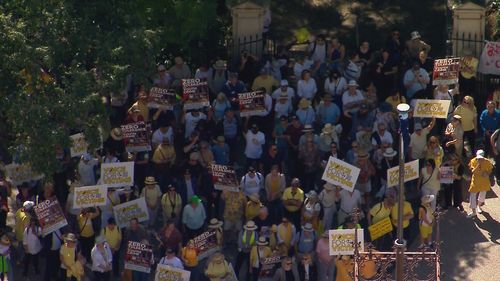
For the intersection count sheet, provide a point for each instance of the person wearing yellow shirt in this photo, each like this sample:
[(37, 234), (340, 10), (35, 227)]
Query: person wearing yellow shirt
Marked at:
[(217, 268), (379, 212), (259, 252), (87, 234), (286, 233), (71, 258), (253, 207), (152, 194), (22, 221), (113, 236), (407, 216), (395, 98), (141, 104), (468, 70), (467, 110), (190, 255), (171, 205), (164, 156), (264, 80), (292, 198)]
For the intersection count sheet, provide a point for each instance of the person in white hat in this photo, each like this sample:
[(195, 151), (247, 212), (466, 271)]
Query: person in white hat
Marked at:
[(284, 91), (102, 259), (152, 194), (481, 169), (283, 106), (311, 209), (327, 197), (415, 45), (219, 76), (259, 252), (454, 134), (216, 225), (306, 240), (351, 99), (308, 134), (426, 219), (246, 240)]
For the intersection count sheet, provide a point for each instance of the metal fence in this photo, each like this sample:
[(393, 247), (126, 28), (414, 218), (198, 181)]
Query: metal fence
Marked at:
[(258, 45)]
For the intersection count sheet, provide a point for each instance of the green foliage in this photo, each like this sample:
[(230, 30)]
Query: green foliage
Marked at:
[(59, 59)]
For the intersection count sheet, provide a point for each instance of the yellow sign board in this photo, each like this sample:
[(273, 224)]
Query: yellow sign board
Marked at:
[(380, 228)]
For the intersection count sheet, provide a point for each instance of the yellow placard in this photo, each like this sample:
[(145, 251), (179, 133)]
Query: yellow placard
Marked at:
[(431, 108), (380, 228)]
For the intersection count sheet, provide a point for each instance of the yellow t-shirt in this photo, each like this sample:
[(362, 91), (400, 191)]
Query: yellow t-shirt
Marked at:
[(379, 212), (190, 256), (395, 103), (113, 237), (287, 195), (468, 67), (252, 210), (343, 270), (85, 224), (468, 117), (22, 221), (406, 210), (267, 83), (143, 108), (68, 256)]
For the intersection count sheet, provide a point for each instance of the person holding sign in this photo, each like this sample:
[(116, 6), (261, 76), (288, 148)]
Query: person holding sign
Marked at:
[(259, 252), (454, 136), (379, 212), (429, 180), (113, 237), (87, 234), (467, 110)]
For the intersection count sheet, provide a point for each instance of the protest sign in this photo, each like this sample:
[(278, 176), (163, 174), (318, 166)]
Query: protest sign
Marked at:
[(137, 136), (489, 63), (138, 257), (251, 103), (90, 196), (21, 173), (206, 243), (446, 174), (161, 98), (117, 174), (132, 209), (224, 178), (431, 108), (411, 173), (169, 273), (50, 215), (380, 228), (342, 241), (445, 71), (195, 93), (79, 145), (268, 267), (338, 172)]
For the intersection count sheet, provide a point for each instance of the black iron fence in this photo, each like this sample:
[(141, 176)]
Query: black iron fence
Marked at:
[(258, 45)]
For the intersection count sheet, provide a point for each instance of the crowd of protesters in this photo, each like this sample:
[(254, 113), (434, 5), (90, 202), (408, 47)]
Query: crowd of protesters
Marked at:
[(327, 102)]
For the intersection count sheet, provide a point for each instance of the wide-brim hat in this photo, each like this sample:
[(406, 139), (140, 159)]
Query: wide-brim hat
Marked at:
[(220, 64), (262, 241), (221, 139), (327, 129), (70, 237), (427, 198), (254, 197), (414, 35), (304, 103), (480, 153), (28, 205), (215, 223), (150, 180), (307, 128), (328, 186), (389, 152), (307, 227), (250, 225), (362, 154), (353, 83), (116, 134), (100, 239), (283, 96)]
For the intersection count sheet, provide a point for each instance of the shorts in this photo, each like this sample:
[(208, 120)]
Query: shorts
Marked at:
[(425, 231), (233, 225)]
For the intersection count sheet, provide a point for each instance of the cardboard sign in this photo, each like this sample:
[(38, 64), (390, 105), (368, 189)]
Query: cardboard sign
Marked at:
[(138, 257), (195, 93), (380, 228), (338, 172), (251, 103), (117, 174), (132, 209), (268, 266), (342, 241), (79, 145), (161, 98), (90, 196), (224, 178), (50, 215), (137, 136), (431, 108), (446, 174), (489, 63), (169, 273), (411, 173), (21, 173), (206, 243), (445, 71)]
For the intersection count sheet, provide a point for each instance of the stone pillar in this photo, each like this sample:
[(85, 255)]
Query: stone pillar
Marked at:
[(248, 23), (468, 28)]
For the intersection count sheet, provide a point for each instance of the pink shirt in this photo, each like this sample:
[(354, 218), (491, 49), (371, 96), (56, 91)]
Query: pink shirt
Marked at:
[(323, 251)]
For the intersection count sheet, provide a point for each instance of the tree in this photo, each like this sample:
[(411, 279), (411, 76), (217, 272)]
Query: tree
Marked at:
[(60, 59)]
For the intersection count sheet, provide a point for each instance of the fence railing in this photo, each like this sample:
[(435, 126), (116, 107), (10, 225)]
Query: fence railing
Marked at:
[(257, 45)]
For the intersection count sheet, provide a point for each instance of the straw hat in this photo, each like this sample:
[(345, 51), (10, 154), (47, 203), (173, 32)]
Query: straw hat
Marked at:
[(221, 139), (307, 227), (254, 197), (215, 223), (389, 152), (262, 241), (250, 225), (116, 134), (327, 129), (218, 257), (70, 237), (220, 64), (100, 239), (150, 180), (427, 198), (362, 154), (304, 103)]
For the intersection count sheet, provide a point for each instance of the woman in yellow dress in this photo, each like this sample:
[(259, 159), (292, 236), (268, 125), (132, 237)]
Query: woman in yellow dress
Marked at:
[(481, 169)]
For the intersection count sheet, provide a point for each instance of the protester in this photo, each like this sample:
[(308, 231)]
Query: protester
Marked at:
[(102, 259), (481, 169)]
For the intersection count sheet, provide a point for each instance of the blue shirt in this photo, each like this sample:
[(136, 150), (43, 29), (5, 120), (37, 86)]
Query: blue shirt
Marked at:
[(490, 122), (194, 218), (328, 114), (306, 116), (221, 154), (417, 86)]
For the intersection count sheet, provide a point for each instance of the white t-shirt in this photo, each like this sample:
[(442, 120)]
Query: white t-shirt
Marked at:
[(348, 202), (268, 104), (251, 185), (418, 144), (173, 262), (386, 137), (192, 121), (306, 89), (158, 136), (254, 143), (290, 92), (282, 108), (336, 88), (319, 52), (347, 98)]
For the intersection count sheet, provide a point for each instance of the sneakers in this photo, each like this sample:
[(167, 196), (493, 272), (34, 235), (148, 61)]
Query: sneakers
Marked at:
[(471, 214), (479, 210)]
